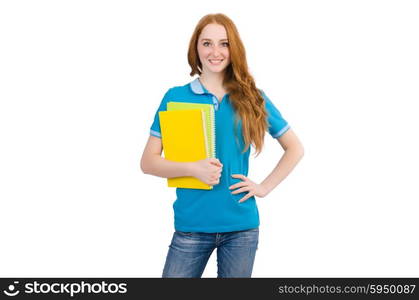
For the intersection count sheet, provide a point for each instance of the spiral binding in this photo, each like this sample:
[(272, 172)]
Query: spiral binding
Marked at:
[(214, 153)]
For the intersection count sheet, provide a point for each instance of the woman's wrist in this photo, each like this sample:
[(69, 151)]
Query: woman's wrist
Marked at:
[(189, 169), (265, 190)]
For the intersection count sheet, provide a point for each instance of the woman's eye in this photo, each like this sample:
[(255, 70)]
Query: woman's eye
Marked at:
[(225, 44)]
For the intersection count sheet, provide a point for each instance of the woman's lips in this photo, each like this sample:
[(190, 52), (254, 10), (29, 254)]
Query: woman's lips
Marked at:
[(215, 61)]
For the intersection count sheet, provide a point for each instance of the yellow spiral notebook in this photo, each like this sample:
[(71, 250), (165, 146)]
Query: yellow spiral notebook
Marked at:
[(209, 127), (184, 140)]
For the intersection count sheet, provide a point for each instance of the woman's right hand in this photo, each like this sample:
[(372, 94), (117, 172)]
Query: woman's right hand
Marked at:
[(207, 170)]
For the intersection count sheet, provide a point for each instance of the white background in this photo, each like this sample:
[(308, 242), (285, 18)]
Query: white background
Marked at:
[(80, 82)]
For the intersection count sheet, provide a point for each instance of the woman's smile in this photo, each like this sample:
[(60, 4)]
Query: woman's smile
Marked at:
[(216, 61)]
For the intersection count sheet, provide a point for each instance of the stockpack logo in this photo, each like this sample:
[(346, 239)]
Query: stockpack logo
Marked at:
[(12, 289)]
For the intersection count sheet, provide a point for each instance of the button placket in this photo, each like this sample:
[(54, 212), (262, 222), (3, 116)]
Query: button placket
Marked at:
[(215, 102)]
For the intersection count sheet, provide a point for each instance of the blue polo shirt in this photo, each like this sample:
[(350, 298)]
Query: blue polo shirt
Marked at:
[(217, 210)]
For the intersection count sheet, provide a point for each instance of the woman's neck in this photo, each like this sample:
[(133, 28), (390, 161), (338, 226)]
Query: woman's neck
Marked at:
[(212, 81)]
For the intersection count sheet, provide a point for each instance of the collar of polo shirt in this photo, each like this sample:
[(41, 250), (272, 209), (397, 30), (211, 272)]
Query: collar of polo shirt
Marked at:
[(198, 88)]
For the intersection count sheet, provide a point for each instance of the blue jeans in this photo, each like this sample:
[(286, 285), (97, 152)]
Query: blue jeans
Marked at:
[(189, 253)]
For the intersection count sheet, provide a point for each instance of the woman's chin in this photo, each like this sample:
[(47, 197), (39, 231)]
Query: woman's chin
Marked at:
[(216, 69)]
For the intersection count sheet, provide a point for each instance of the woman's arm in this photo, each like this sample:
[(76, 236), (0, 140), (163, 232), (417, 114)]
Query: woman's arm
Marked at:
[(152, 163), (294, 151), (207, 170)]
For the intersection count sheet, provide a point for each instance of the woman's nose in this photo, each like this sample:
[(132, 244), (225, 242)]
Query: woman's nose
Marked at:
[(215, 51)]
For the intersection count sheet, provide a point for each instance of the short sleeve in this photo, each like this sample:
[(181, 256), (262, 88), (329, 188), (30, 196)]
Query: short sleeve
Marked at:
[(277, 124), (155, 127)]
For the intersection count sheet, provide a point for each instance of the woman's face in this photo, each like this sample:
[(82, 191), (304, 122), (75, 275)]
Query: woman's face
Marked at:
[(213, 49)]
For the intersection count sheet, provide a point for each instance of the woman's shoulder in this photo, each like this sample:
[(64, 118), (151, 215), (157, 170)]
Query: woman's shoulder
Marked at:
[(266, 99), (179, 89), (262, 93)]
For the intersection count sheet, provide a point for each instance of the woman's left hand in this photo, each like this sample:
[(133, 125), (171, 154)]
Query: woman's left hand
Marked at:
[(249, 186)]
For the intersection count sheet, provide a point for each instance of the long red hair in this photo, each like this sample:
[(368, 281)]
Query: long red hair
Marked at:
[(246, 99)]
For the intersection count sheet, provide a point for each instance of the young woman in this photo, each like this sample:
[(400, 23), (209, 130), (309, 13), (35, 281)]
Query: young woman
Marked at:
[(226, 217)]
